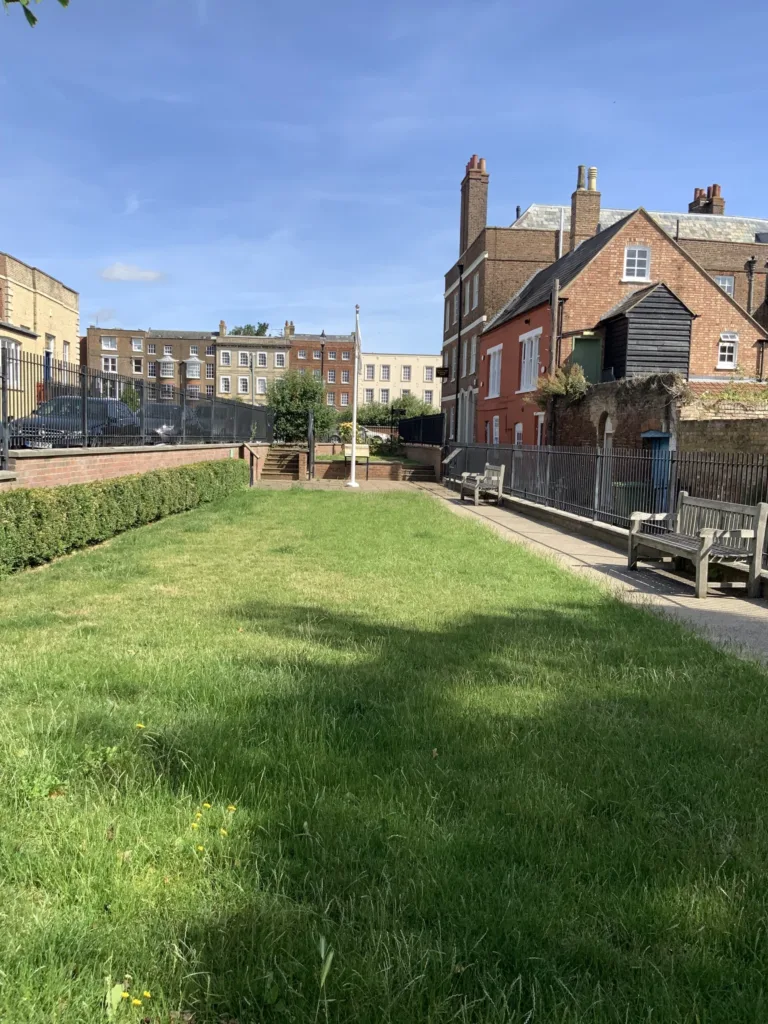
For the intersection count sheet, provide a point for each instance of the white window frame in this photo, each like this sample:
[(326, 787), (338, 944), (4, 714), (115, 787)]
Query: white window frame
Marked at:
[(13, 348), (109, 364), (345, 355), (405, 391), (385, 372), (631, 262), (279, 360), (210, 350), (518, 433), (193, 371), (473, 354), (429, 374), (225, 357), (228, 389), (368, 396), (476, 290), (140, 361), (529, 360), (65, 351), (193, 390), (464, 355), (370, 371), (151, 348), (330, 398), (302, 353), (210, 371), (164, 372), (331, 354), (152, 368), (344, 398), (105, 338), (261, 360), (317, 353), (494, 371), (467, 293), (539, 418), (243, 385), (384, 395), (194, 350), (261, 385), (429, 400), (496, 429), (317, 373), (330, 376), (242, 360), (166, 390), (728, 340), (731, 287), (453, 362), (345, 376), (447, 325), (137, 344), (210, 390), (168, 350), (456, 305)]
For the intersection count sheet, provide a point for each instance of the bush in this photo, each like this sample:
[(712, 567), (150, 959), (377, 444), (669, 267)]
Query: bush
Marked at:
[(38, 524)]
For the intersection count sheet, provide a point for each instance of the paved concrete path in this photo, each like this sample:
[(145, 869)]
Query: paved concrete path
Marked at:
[(737, 622)]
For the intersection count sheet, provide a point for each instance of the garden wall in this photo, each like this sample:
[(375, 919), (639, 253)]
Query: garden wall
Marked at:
[(54, 467)]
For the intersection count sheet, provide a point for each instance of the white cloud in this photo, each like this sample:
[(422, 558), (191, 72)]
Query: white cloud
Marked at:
[(132, 204), (130, 272)]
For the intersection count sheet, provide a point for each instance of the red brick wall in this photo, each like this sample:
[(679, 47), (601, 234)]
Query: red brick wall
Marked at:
[(632, 410), (598, 288), (58, 467), (376, 471)]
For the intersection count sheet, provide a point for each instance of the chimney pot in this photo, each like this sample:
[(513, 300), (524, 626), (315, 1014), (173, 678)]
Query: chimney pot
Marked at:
[(581, 180), (222, 328), (518, 211), (715, 190), (482, 164), (592, 179), (709, 191)]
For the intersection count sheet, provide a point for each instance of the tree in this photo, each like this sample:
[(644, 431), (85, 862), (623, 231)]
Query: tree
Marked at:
[(291, 397), (131, 397), (250, 331), (27, 12)]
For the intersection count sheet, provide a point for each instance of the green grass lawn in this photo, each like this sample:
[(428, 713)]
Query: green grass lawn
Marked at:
[(493, 792)]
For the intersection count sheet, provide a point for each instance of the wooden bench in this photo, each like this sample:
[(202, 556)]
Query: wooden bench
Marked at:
[(487, 484), (701, 532)]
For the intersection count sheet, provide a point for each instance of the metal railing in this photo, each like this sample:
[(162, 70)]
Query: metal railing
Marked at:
[(609, 484), (52, 404), (422, 429)]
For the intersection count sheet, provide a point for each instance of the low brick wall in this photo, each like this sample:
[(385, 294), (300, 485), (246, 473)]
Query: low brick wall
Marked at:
[(723, 435), (427, 455), (376, 471), (54, 467)]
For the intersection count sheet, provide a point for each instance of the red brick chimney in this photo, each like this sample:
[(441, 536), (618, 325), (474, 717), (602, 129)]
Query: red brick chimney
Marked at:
[(709, 200), (474, 202), (585, 208)]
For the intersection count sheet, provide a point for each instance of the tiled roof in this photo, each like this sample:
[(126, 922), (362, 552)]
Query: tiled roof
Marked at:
[(704, 226), (539, 288), (632, 300)]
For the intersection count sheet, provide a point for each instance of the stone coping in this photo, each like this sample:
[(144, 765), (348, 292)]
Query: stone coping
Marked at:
[(145, 449)]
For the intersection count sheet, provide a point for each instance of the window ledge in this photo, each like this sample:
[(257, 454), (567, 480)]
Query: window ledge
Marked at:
[(726, 366), (525, 391), (635, 280), (497, 395)]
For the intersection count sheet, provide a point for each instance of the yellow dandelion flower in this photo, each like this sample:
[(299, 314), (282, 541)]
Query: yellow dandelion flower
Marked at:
[(140, 725), (147, 994), (223, 831), (199, 815), (200, 849), (194, 825), (207, 807), (231, 808), (126, 995), (135, 1002)]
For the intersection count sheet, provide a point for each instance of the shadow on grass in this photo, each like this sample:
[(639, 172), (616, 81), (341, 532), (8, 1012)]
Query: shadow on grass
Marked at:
[(546, 810), (553, 811)]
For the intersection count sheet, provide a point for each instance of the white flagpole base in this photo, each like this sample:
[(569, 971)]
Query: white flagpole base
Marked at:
[(351, 483)]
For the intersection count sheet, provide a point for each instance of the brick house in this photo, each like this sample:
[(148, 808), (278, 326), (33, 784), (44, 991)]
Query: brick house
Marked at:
[(495, 262), (627, 301), (328, 357)]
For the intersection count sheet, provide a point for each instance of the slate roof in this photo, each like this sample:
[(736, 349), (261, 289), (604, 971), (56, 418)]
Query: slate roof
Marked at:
[(635, 298), (539, 288), (705, 226), (183, 335)]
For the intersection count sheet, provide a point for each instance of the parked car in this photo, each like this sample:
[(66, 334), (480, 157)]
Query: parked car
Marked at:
[(167, 423), (58, 423)]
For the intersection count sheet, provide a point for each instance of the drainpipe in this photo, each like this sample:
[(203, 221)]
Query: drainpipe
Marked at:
[(751, 264), (560, 233), (555, 310), (458, 354)]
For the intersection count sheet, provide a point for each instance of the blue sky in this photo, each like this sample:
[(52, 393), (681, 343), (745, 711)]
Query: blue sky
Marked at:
[(183, 161)]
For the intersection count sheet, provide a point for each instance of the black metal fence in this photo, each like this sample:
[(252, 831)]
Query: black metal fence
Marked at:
[(422, 429), (50, 404), (609, 484)]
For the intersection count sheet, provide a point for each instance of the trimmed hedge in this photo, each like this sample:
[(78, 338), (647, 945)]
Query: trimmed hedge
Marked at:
[(37, 524)]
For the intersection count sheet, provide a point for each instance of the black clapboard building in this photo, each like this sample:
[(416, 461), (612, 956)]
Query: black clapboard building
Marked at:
[(649, 332)]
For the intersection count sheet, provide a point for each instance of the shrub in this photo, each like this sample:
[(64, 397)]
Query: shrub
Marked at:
[(38, 524), (568, 382)]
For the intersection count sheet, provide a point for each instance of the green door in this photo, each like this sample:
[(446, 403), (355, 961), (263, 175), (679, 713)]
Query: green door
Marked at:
[(588, 353)]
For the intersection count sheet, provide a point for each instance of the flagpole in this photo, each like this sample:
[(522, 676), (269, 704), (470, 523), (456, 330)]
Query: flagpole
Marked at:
[(352, 482)]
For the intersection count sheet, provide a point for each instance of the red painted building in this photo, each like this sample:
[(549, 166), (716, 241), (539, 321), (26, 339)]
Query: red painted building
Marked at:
[(627, 301)]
